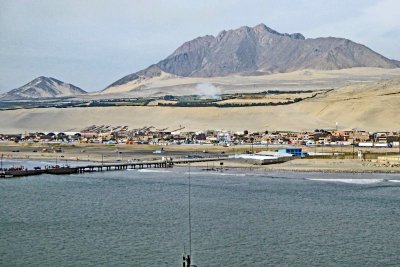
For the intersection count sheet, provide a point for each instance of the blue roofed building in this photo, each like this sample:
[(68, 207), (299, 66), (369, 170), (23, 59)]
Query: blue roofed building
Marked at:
[(295, 151)]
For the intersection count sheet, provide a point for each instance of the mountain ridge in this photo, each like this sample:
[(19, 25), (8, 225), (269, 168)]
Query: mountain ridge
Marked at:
[(43, 87), (260, 49)]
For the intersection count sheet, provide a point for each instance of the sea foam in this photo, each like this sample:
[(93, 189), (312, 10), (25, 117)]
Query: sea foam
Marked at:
[(216, 173), (147, 170), (349, 181)]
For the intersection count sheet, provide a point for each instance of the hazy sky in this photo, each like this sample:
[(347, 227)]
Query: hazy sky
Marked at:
[(93, 43)]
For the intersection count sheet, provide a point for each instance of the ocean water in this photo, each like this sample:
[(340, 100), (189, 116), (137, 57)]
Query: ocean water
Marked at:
[(140, 218)]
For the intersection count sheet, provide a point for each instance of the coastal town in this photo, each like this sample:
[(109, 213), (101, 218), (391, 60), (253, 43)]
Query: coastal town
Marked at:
[(121, 145), (106, 134), (199, 133)]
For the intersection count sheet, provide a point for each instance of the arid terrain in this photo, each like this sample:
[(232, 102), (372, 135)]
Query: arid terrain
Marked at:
[(369, 100), (297, 80)]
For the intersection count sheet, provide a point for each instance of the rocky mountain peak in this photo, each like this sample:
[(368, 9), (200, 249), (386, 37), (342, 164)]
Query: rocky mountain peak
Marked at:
[(263, 29), (43, 87), (260, 49)]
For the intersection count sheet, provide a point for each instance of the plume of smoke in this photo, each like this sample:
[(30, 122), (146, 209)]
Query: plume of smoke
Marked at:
[(208, 90)]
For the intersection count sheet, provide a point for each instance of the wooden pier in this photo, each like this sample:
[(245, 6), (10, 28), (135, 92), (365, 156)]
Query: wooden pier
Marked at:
[(124, 166), (103, 167), (141, 164)]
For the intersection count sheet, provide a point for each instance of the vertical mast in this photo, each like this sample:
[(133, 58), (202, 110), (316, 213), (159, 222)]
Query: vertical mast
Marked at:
[(190, 221)]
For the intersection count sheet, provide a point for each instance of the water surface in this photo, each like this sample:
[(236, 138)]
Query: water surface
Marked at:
[(139, 218)]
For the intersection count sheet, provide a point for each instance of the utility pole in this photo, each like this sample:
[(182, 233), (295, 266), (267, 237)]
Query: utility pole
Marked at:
[(398, 139), (190, 220), (354, 139)]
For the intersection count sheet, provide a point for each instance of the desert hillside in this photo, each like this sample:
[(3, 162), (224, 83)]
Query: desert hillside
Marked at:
[(370, 106), (298, 80), (360, 105), (259, 50), (43, 87)]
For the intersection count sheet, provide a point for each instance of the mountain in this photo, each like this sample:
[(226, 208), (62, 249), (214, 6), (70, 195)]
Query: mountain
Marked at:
[(260, 50), (43, 87)]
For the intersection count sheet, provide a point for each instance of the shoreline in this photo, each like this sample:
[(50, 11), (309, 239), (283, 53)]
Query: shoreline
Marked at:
[(322, 165), (315, 170), (123, 153), (249, 167)]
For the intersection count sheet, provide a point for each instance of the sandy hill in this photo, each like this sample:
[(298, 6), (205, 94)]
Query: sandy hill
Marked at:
[(43, 87), (370, 106), (359, 105), (258, 50), (171, 84)]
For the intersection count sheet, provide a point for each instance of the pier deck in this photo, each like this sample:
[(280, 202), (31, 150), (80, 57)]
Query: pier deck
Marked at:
[(104, 167), (141, 164)]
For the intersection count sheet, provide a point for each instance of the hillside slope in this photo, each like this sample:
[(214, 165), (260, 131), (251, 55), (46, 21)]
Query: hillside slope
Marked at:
[(43, 87), (260, 50), (372, 106)]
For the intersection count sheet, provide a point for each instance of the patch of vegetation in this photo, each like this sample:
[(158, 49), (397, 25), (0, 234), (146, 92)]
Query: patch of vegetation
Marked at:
[(119, 102), (227, 105), (178, 101)]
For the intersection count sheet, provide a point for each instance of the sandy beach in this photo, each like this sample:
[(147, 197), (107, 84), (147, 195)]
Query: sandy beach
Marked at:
[(311, 165)]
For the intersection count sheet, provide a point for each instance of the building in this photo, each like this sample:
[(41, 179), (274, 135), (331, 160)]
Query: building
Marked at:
[(298, 152)]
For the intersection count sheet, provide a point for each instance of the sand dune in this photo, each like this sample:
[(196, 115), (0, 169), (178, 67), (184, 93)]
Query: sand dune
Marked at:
[(254, 118), (370, 106), (297, 80), (362, 106)]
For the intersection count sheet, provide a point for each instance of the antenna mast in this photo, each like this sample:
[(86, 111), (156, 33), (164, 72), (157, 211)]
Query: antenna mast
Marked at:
[(190, 221)]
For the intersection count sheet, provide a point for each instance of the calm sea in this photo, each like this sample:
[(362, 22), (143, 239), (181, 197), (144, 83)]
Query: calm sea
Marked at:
[(140, 218)]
